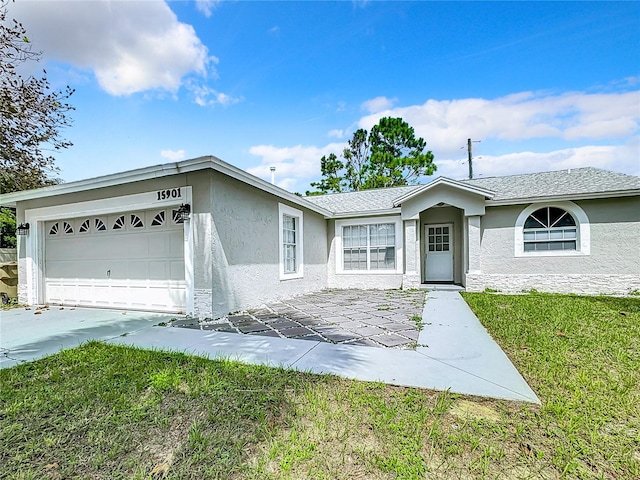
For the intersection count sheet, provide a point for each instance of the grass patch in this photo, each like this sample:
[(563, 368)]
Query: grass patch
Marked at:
[(103, 411), (582, 357)]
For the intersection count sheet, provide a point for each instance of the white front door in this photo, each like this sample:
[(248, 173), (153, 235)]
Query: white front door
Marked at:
[(439, 252)]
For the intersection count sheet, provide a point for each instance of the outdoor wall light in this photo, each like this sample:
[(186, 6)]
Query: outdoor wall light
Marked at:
[(23, 229), (184, 211)]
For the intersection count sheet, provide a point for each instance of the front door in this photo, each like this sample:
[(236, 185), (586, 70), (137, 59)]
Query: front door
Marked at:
[(439, 253)]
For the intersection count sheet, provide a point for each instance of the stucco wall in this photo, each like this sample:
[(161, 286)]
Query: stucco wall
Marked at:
[(234, 230), (612, 265), (173, 181), (244, 248)]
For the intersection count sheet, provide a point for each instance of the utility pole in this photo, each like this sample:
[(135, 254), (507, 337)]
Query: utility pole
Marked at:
[(471, 156)]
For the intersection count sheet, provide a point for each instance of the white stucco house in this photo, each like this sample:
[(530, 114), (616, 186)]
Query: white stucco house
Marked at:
[(206, 238)]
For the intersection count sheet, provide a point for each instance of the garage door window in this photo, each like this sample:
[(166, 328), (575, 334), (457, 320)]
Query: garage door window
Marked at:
[(84, 227), (119, 223), (68, 229), (177, 217), (158, 219), (100, 226), (136, 221), (54, 229)]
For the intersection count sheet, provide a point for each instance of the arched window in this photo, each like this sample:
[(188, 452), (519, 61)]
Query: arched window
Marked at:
[(550, 228)]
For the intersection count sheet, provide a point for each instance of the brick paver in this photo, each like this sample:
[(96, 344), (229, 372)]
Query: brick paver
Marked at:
[(376, 318)]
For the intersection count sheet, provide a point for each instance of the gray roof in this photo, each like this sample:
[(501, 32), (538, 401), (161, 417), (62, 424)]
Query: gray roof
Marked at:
[(575, 182), (578, 181), (363, 201)]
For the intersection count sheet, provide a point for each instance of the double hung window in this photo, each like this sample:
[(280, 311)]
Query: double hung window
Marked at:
[(290, 225)]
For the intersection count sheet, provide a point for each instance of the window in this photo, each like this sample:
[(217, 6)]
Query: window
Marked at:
[(54, 229), (549, 228), (289, 243), (290, 225), (177, 218), (369, 245), (84, 227), (158, 219), (560, 228), (439, 239), (100, 226), (119, 223), (68, 229), (136, 221)]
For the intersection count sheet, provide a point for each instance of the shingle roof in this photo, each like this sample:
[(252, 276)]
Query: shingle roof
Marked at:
[(578, 181), (362, 201)]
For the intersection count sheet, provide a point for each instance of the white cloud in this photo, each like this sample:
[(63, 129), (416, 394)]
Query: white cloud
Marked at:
[(620, 158), (599, 130), (129, 46), (206, 7), (173, 155), (446, 124), (378, 104), (204, 96), (293, 164)]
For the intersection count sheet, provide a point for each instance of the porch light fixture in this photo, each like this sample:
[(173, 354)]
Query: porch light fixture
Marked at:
[(184, 212), (23, 229)]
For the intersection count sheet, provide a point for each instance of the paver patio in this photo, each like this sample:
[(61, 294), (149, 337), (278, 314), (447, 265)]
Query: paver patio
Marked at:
[(375, 318)]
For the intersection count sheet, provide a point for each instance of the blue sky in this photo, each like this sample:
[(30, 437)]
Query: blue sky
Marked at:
[(542, 85)]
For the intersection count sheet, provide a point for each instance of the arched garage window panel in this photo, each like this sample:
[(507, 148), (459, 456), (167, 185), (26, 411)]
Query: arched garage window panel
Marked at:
[(550, 228)]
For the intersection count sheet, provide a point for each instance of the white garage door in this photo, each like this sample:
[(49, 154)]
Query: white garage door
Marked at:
[(131, 260)]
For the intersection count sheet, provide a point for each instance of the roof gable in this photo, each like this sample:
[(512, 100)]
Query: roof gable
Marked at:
[(443, 181)]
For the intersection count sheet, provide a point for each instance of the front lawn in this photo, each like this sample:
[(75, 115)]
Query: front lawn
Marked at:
[(108, 412)]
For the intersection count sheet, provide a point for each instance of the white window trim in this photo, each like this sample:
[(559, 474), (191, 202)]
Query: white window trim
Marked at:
[(297, 214), (583, 230), (396, 220)]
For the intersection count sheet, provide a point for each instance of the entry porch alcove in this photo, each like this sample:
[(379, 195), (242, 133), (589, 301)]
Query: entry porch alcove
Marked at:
[(442, 232)]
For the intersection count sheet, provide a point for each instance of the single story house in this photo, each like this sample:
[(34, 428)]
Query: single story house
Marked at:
[(203, 237)]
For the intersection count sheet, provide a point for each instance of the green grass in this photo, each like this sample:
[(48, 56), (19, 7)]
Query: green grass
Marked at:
[(103, 411)]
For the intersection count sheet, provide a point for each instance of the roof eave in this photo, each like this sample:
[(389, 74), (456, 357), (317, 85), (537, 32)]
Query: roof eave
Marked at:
[(367, 213), (158, 171), (555, 198)]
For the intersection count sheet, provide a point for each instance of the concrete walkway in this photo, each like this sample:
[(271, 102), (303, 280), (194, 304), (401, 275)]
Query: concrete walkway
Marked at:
[(460, 356)]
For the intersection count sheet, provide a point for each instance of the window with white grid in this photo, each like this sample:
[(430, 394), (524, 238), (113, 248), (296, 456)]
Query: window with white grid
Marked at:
[(369, 247), (290, 224)]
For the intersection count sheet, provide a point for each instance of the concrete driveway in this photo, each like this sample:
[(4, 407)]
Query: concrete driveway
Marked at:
[(26, 336), (455, 351)]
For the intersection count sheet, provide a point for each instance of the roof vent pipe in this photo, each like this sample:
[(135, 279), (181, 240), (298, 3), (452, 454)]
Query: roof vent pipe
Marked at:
[(273, 175)]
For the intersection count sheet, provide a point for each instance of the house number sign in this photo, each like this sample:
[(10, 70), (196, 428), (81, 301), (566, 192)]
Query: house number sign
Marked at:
[(169, 194)]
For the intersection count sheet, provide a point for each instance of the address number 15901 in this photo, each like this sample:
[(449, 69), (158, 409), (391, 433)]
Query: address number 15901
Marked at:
[(169, 194)]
